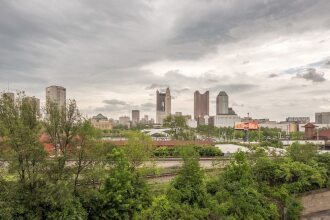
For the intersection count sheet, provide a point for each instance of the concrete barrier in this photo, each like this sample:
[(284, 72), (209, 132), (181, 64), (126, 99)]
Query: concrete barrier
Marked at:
[(316, 205)]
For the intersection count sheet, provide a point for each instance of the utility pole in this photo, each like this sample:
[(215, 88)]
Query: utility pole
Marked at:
[(247, 130)]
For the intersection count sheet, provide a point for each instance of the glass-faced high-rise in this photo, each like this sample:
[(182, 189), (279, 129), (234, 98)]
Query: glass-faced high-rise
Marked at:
[(222, 103)]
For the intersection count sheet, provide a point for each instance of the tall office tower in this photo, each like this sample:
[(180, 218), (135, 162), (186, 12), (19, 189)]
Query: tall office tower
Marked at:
[(222, 103), (135, 117), (57, 95), (163, 105), (201, 104)]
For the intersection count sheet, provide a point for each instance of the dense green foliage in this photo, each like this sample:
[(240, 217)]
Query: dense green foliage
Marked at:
[(302, 153), (186, 197), (235, 194), (88, 179), (125, 191)]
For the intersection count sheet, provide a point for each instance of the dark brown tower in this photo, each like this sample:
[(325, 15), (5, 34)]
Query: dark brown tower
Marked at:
[(201, 104)]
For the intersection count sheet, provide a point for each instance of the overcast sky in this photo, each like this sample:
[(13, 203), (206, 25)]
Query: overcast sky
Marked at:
[(272, 57)]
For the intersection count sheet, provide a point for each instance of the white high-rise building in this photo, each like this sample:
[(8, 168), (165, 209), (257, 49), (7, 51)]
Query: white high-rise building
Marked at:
[(225, 120), (57, 95), (222, 103)]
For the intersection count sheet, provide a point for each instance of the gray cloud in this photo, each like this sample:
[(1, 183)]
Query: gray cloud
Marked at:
[(179, 91), (114, 105), (234, 88), (218, 23), (147, 106), (272, 75), (103, 47), (119, 106), (237, 104), (311, 75), (114, 102), (156, 86)]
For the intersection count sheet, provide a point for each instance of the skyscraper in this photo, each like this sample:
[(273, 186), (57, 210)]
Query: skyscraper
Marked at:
[(57, 95), (222, 103), (135, 117), (163, 105), (201, 104)]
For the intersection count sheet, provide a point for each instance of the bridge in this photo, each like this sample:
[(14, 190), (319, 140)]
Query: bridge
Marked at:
[(316, 205)]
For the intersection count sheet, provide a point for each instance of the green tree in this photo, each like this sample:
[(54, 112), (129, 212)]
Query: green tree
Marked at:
[(164, 209), (208, 131), (323, 160), (235, 194), (139, 148), (125, 192), (189, 187), (61, 125), (88, 152), (297, 135), (186, 197), (31, 195), (22, 131), (302, 152), (178, 127)]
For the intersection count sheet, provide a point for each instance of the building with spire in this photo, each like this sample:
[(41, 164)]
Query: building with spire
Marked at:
[(163, 105)]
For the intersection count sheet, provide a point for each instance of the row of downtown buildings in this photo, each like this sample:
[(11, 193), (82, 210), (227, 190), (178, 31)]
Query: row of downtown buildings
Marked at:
[(225, 116)]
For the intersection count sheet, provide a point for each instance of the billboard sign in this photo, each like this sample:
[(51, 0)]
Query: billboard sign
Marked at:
[(246, 126)]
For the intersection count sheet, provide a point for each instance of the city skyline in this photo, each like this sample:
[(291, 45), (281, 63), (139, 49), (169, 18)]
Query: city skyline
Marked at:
[(272, 59), (126, 112)]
